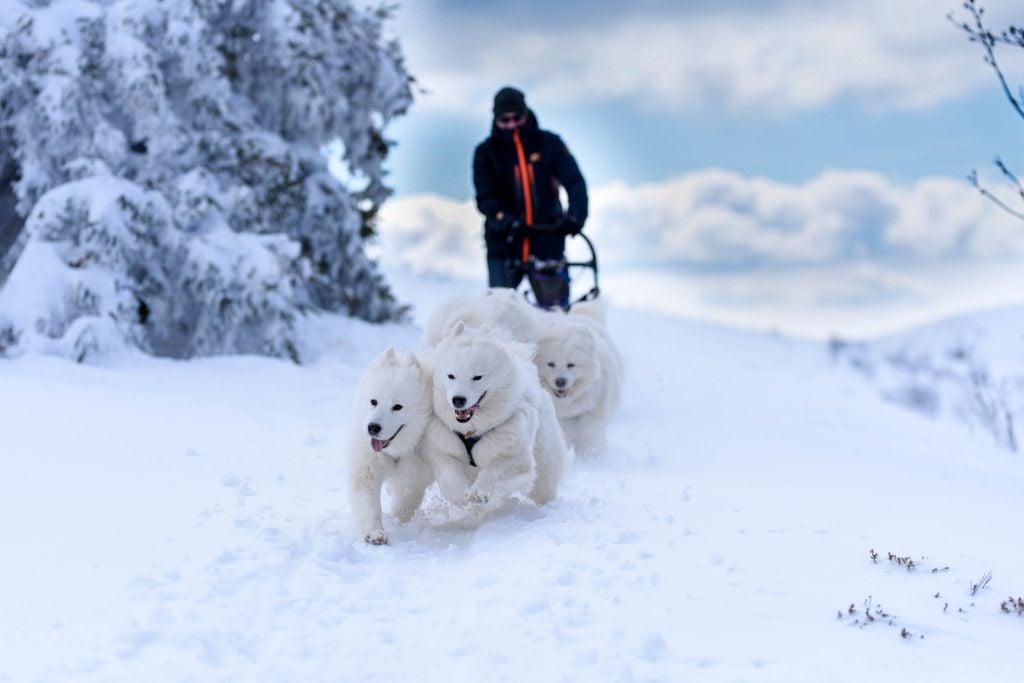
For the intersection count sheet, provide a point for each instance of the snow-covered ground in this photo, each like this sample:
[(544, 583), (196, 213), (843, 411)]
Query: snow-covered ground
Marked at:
[(968, 368), (186, 521)]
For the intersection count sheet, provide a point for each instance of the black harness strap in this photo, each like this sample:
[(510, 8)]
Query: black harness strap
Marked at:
[(468, 442)]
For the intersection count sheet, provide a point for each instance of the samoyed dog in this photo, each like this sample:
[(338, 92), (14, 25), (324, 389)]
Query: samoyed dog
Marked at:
[(500, 308), (392, 411), (495, 432), (582, 370)]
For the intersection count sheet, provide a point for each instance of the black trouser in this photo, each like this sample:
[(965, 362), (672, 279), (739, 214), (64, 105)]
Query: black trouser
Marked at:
[(500, 273)]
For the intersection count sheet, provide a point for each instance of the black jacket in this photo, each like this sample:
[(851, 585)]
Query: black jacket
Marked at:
[(496, 178)]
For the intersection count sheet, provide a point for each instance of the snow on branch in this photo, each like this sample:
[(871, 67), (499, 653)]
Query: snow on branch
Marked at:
[(171, 177)]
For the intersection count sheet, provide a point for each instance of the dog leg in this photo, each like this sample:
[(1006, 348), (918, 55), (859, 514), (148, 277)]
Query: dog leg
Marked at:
[(505, 459), (588, 435), (416, 475), (452, 477), (449, 462), (364, 487)]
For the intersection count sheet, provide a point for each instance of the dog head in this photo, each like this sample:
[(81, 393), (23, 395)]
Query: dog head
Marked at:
[(567, 361), (393, 403), (477, 374)]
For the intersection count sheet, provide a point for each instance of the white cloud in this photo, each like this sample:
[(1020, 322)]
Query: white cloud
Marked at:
[(432, 235), (851, 253), (715, 220), (766, 59), (859, 300)]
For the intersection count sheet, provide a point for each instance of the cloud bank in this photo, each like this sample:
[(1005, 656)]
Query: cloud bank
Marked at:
[(849, 253), (719, 221)]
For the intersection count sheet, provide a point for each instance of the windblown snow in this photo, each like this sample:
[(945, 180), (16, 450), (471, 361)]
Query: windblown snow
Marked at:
[(169, 520)]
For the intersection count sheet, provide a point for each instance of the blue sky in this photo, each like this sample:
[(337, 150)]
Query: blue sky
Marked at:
[(614, 142), (794, 164), (842, 117)]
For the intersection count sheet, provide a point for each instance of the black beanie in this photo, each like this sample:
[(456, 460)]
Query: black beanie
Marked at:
[(509, 100)]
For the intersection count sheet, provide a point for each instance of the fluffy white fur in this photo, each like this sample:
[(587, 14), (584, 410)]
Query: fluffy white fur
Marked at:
[(486, 386), (392, 411), (581, 369), (499, 308)]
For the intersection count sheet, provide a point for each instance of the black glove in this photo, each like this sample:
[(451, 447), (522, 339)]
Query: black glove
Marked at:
[(505, 224), (571, 226), (514, 230)]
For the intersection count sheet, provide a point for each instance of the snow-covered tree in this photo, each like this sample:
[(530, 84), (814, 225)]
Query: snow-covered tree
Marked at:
[(167, 159), (10, 222)]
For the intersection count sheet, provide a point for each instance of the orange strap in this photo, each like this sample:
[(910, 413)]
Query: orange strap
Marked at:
[(526, 180)]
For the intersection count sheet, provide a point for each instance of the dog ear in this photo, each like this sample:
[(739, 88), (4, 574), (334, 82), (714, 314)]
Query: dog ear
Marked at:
[(424, 357), (391, 356), (486, 329), (459, 328)]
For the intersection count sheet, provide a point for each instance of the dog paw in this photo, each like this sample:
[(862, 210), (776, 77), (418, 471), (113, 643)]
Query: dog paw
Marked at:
[(478, 497), (377, 537)]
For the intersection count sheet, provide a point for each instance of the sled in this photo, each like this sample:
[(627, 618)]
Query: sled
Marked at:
[(548, 280)]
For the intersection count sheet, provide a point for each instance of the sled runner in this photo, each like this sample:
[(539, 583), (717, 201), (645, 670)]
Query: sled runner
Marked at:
[(549, 279)]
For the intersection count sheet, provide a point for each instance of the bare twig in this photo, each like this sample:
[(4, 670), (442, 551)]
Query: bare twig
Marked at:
[(982, 583), (1012, 604), (981, 35), (1009, 175), (972, 178), (978, 33)]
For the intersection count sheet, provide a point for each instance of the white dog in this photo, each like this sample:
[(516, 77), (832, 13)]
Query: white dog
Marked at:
[(495, 432), (499, 308), (581, 368), (393, 408)]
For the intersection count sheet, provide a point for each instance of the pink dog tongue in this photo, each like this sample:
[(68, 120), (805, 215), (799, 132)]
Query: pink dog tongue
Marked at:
[(378, 444)]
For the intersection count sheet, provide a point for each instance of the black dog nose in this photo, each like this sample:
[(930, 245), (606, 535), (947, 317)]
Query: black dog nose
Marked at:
[(458, 401), (373, 428), (560, 382)]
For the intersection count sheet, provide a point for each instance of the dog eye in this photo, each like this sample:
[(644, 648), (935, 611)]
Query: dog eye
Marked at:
[(570, 365), (551, 365), (397, 406), (451, 376), (373, 402), (477, 378)]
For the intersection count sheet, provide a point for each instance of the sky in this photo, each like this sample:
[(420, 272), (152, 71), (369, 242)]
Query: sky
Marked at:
[(784, 141), (648, 90)]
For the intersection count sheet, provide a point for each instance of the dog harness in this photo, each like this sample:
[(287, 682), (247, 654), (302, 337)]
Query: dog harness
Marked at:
[(468, 442)]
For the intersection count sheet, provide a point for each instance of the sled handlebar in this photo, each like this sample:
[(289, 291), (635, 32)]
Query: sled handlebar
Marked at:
[(521, 230), (531, 264)]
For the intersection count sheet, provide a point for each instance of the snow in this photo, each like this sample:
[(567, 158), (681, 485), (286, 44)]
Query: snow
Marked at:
[(171, 520), (968, 368)]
